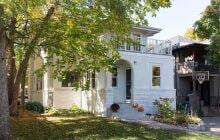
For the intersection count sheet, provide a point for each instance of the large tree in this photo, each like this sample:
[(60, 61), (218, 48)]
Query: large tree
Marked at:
[(4, 111), (191, 34), (69, 29), (208, 27)]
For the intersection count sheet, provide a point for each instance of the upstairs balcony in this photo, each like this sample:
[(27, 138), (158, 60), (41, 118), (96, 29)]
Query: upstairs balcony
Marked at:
[(187, 68), (152, 46)]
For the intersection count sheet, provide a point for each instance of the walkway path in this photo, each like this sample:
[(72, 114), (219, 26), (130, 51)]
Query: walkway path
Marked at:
[(158, 125), (212, 124)]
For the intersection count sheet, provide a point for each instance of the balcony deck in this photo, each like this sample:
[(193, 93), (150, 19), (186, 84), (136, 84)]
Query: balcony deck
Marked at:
[(187, 68), (152, 46)]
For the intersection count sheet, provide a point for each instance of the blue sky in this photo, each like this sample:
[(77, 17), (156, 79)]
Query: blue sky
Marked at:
[(176, 19)]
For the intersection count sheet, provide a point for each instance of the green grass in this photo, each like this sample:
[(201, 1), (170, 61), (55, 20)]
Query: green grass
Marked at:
[(31, 126)]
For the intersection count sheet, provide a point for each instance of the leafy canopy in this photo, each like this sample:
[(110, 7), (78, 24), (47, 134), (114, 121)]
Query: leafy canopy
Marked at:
[(191, 34), (208, 27), (209, 23), (72, 30)]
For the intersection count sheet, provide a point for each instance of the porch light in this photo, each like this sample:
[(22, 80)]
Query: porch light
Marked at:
[(135, 62)]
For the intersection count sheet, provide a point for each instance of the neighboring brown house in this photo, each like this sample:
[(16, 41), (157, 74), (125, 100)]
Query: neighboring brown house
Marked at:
[(190, 55)]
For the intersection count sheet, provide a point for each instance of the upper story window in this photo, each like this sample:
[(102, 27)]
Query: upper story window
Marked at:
[(134, 46), (118, 45), (71, 78), (114, 78), (156, 76), (137, 44)]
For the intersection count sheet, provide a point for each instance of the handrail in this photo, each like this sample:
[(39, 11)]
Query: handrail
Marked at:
[(152, 46)]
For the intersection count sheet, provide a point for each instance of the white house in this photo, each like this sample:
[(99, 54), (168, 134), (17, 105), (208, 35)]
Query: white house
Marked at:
[(144, 73)]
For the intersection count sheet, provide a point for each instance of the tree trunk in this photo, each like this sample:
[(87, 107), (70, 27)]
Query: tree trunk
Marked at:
[(10, 56), (23, 66), (4, 112), (23, 87), (11, 68), (15, 84), (13, 108)]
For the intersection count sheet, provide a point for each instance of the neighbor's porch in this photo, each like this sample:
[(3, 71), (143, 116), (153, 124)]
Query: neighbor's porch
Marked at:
[(207, 94)]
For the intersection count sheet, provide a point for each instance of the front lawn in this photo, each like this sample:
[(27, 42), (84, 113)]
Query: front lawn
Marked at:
[(31, 126)]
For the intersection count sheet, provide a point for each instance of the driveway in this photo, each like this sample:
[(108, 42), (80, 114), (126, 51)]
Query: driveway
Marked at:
[(212, 124)]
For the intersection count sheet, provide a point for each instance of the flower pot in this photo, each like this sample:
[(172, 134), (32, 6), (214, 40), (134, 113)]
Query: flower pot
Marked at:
[(135, 105), (140, 109)]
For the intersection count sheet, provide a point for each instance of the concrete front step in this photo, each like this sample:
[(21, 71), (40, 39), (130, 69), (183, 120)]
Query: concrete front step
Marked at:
[(126, 111)]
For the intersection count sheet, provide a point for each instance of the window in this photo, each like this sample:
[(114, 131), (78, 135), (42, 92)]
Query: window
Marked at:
[(93, 80), (71, 78), (156, 76), (39, 83), (114, 77), (137, 39), (119, 45)]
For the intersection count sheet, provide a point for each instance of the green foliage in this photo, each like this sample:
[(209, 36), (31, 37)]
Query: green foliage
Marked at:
[(213, 50), (73, 111), (164, 107), (70, 31), (174, 117), (34, 106), (208, 27), (77, 110), (191, 34), (209, 23)]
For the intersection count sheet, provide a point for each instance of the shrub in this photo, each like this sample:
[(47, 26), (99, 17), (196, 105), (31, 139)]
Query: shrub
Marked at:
[(199, 113), (174, 117), (164, 107), (115, 107), (73, 111), (34, 106)]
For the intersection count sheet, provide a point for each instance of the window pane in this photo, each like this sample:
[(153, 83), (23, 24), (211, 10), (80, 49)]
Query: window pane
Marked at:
[(71, 78), (64, 83), (114, 82), (156, 71), (93, 80), (156, 81), (115, 72), (136, 37), (114, 77), (39, 83)]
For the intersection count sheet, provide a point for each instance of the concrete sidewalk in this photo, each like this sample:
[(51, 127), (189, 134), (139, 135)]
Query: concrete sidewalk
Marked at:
[(212, 124), (158, 125)]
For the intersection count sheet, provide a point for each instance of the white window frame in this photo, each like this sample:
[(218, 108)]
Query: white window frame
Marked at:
[(152, 76), (135, 38), (116, 77)]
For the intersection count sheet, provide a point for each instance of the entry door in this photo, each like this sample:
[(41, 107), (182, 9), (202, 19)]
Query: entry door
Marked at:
[(128, 84), (205, 93)]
